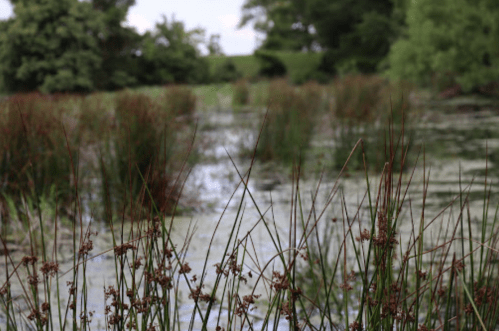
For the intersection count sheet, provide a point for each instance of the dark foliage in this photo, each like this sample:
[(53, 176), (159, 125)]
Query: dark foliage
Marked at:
[(226, 72), (270, 65)]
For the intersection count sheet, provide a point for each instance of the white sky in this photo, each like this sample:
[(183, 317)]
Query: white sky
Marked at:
[(215, 16)]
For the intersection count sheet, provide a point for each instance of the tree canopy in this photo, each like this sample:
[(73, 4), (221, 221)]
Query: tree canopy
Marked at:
[(285, 24), (356, 34), (50, 45), (169, 55), (80, 46), (453, 40), (116, 45)]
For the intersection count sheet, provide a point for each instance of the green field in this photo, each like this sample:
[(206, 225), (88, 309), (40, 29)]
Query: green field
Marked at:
[(298, 64)]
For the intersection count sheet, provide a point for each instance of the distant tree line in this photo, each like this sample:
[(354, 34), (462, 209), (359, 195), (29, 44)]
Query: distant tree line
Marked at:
[(81, 46), (441, 42)]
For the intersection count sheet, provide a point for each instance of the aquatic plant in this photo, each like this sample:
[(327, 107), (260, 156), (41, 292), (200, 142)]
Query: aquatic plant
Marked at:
[(94, 116), (140, 151), (34, 146), (241, 93), (179, 101), (364, 106), (337, 265), (288, 122)]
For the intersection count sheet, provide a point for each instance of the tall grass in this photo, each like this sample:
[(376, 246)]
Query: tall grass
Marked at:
[(94, 117), (179, 101), (362, 106), (33, 146), (289, 121), (117, 139), (241, 93), (369, 278), (142, 144), (387, 262)]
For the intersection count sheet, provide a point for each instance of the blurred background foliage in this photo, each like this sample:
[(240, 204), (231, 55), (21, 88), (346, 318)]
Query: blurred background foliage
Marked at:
[(82, 46)]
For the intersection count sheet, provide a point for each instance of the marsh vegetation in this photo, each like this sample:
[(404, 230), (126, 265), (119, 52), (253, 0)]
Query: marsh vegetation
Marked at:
[(278, 206)]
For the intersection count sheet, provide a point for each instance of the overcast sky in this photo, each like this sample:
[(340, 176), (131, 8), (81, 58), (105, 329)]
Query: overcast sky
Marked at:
[(215, 16)]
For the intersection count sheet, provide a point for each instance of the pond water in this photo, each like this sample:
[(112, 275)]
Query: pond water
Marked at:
[(460, 148)]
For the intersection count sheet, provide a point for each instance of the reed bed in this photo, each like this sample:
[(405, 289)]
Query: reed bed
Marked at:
[(179, 101), (290, 120), (334, 268), (113, 140), (140, 146), (36, 136), (361, 106), (241, 93)]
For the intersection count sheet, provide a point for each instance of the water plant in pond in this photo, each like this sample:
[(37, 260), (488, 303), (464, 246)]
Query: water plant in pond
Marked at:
[(119, 138), (364, 106), (94, 117), (179, 101), (241, 93), (288, 122), (34, 146), (381, 261), (141, 149), (368, 279), (314, 96)]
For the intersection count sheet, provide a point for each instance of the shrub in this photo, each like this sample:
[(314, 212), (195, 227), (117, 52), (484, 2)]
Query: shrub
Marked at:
[(226, 72), (270, 65), (449, 41)]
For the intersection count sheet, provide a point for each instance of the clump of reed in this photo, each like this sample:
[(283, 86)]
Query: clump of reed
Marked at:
[(126, 141), (34, 147), (289, 122), (259, 93), (179, 101), (94, 117), (370, 278), (357, 98), (137, 163), (439, 274), (241, 93), (365, 106), (314, 95)]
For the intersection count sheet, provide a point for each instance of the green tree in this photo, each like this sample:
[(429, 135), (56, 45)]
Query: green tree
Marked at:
[(214, 47), (117, 44), (452, 39), (170, 55), (356, 34), (226, 72), (50, 46), (3, 31), (285, 24)]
